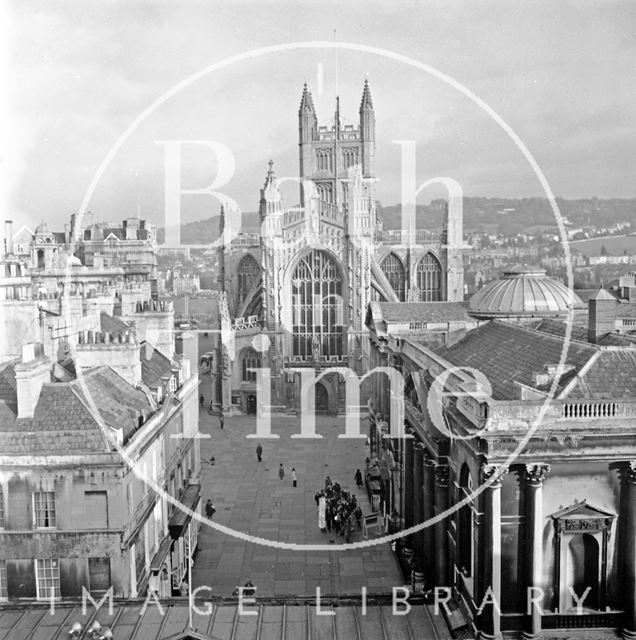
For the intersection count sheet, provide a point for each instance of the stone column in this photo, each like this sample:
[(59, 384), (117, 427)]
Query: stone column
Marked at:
[(408, 483), (535, 475), (628, 555), (490, 617), (428, 534), (418, 503), (441, 536)]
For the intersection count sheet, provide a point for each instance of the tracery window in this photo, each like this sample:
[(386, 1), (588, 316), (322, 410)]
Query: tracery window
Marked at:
[(250, 359), (350, 157), (393, 269), (429, 279), (249, 272), (317, 308)]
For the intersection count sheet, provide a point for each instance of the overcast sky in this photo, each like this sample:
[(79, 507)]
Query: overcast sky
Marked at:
[(562, 74)]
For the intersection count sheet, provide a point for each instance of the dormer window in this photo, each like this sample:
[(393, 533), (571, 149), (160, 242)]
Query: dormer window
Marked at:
[(172, 385)]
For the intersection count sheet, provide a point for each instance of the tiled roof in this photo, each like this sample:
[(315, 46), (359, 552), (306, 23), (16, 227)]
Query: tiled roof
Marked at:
[(7, 384), (112, 324), (154, 365), (222, 621), (61, 423), (558, 328), (506, 353), (64, 420), (626, 309), (579, 332), (119, 404), (613, 375), (423, 311)]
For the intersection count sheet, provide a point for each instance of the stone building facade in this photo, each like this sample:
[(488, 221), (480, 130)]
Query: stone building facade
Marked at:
[(302, 285), (92, 468), (523, 464)]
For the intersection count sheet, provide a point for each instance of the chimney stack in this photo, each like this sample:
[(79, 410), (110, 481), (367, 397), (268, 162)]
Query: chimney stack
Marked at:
[(33, 370), (8, 237), (601, 315)]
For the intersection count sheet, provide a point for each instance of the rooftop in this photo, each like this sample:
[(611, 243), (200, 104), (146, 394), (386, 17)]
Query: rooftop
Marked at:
[(523, 291), (222, 621), (507, 353)]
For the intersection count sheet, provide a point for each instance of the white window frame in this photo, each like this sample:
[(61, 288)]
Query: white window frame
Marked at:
[(58, 587), (35, 512), (4, 588)]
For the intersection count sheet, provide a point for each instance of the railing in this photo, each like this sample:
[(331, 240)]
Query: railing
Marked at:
[(251, 322), (590, 410), (246, 240), (399, 236), (628, 322)]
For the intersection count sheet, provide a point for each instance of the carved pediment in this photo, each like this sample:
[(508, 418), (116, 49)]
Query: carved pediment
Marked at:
[(582, 516)]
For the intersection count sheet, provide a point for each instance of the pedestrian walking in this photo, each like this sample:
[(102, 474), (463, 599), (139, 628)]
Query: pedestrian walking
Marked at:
[(210, 509), (358, 514), (358, 478), (201, 400), (281, 471), (259, 452), (221, 419), (294, 479)]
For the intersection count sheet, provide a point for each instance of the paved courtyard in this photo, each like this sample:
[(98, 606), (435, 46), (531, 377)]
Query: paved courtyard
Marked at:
[(249, 497)]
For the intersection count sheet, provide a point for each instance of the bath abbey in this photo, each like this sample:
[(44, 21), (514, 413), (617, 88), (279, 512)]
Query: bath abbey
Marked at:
[(306, 280)]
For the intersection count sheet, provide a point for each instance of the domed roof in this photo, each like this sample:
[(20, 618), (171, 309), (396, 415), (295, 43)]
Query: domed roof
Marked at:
[(42, 228), (523, 291)]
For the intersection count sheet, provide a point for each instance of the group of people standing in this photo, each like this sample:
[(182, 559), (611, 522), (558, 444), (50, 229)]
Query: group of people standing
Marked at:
[(338, 510)]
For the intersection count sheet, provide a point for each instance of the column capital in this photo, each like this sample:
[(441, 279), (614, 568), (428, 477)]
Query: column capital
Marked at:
[(493, 474), (536, 473), (441, 475)]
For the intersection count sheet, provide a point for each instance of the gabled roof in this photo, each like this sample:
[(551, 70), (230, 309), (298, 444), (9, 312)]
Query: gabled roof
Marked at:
[(64, 421), (113, 324), (507, 353), (154, 365)]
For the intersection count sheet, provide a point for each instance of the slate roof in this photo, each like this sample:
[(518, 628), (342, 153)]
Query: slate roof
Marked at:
[(626, 309), (222, 621), (424, 311), (506, 353), (154, 365), (579, 332), (558, 328), (112, 324), (613, 375), (64, 420), (7, 384)]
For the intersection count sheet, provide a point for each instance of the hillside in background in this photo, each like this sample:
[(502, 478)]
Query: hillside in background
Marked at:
[(492, 215)]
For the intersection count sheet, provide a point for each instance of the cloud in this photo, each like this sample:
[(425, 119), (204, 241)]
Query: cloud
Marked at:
[(561, 75)]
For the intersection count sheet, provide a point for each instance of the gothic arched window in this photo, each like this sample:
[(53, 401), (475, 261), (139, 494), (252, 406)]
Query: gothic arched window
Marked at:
[(317, 308), (393, 269), (249, 272), (429, 279), (250, 359)]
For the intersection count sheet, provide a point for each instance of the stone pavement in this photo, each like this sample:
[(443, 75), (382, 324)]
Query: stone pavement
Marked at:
[(249, 497)]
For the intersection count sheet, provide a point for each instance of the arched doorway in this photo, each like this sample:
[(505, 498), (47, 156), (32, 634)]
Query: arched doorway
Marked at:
[(250, 404), (322, 398)]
